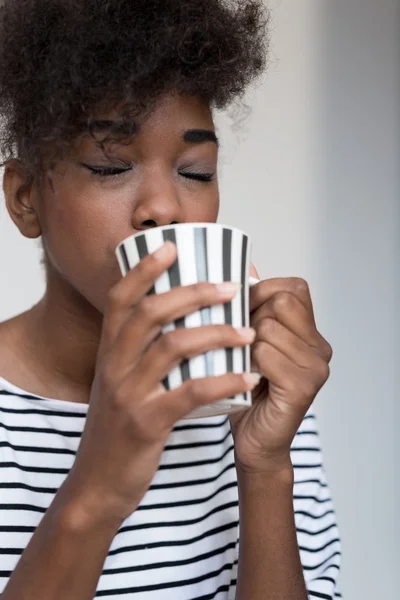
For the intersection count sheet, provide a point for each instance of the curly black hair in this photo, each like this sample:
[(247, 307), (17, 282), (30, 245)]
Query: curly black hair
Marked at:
[(62, 60)]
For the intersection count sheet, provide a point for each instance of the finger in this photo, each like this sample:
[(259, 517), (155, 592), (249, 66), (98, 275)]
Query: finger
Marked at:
[(153, 312), (253, 271), (287, 309), (174, 347), (289, 379), (289, 344), (200, 392), (163, 409), (131, 288), (263, 291)]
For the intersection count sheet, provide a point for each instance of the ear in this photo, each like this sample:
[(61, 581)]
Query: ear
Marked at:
[(20, 192)]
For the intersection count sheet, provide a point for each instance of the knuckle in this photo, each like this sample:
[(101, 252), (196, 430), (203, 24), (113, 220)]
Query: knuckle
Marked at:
[(323, 371), (298, 284), (146, 309), (283, 301), (147, 267), (198, 391), (203, 291), (221, 335), (257, 350), (328, 350), (224, 333), (170, 342), (268, 327), (310, 388)]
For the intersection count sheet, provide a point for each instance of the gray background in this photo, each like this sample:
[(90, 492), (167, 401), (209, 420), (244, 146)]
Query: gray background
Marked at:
[(313, 176)]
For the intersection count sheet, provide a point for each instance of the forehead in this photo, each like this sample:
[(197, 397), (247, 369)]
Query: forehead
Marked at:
[(171, 112), (183, 119)]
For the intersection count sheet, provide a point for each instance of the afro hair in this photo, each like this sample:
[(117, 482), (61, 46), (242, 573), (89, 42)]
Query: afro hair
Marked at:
[(63, 60)]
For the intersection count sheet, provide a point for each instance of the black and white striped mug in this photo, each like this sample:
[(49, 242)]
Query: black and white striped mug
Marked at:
[(205, 252)]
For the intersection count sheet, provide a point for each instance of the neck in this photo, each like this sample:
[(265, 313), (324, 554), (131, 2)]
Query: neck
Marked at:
[(61, 336)]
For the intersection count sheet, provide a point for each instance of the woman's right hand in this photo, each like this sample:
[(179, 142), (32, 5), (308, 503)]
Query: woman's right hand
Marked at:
[(130, 413)]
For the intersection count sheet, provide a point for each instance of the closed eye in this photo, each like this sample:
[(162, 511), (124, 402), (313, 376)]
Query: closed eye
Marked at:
[(106, 171), (206, 177), (115, 172)]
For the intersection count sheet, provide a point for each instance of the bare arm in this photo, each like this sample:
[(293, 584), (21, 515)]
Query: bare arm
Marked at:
[(269, 561), (125, 432), (65, 556)]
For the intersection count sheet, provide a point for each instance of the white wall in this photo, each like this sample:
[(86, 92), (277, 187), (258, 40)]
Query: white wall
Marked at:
[(317, 183), (359, 277), (313, 177), (22, 277)]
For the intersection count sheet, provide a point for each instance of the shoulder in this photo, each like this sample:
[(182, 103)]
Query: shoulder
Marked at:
[(11, 348)]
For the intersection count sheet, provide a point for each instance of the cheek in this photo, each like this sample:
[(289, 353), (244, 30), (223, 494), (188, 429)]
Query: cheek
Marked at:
[(80, 245), (80, 233), (212, 212), (204, 207)]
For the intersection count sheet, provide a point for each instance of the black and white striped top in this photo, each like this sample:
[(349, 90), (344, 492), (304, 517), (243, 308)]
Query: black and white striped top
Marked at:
[(182, 541)]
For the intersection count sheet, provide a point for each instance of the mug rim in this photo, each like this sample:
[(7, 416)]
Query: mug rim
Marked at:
[(178, 225)]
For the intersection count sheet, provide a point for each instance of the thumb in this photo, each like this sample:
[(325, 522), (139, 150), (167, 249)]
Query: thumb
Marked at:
[(253, 271)]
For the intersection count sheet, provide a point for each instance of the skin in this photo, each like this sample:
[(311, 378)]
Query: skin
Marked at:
[(83, 328), (97, 214)]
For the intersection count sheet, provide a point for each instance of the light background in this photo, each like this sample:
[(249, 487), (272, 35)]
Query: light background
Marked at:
[(314, 177)]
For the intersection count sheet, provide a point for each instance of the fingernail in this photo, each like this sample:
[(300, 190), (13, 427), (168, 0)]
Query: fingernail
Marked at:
[(228, 289), (164, 251), (252, 379), (248, 333)]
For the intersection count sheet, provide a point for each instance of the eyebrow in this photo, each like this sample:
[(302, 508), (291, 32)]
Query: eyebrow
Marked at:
[(131, 128), (200, 136)]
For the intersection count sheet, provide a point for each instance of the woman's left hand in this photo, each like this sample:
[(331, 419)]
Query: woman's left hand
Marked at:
[(293, 358)]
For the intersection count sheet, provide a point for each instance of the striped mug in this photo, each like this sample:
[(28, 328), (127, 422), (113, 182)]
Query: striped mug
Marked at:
[(205, 252)]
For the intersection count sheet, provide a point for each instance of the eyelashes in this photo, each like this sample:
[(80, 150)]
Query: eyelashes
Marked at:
[(106, 171), (112, 172), (206, 177)]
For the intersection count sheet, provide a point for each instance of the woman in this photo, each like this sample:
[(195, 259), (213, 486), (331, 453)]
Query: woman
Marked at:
[(107, 130)]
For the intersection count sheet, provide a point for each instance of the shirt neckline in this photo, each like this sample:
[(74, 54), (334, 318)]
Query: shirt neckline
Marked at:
[(11, 387)]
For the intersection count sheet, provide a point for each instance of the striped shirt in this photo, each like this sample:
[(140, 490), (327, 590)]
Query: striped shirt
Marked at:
[(181, 542)]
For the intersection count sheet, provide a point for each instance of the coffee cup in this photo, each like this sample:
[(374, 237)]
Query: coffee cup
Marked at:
[(205, 252)]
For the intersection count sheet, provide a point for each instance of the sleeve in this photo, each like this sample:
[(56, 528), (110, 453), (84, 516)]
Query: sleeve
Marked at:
[(316, 524)]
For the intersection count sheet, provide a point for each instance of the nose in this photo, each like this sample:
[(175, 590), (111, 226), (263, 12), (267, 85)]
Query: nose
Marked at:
[(157, 204)]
